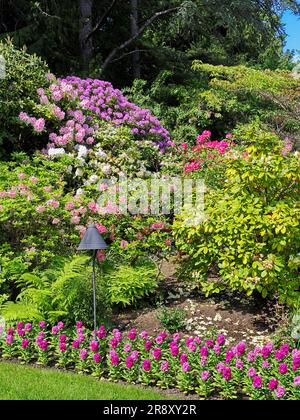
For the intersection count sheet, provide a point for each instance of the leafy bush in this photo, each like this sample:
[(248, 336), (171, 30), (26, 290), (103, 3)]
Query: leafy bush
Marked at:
[(172, 319), (18, 91), (251, 229), (128, 284), (64, 291), (219, 98)]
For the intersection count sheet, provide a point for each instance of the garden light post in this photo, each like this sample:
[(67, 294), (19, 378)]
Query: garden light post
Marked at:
[(93, 241)]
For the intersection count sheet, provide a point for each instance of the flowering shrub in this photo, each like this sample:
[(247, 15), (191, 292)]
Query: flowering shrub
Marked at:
[(206, 160), (98, 127), (25, 73), (204, 366), (251, 230)]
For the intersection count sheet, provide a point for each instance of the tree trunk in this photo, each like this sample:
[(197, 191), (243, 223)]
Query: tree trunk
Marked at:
[(86, 27), (136, 57)]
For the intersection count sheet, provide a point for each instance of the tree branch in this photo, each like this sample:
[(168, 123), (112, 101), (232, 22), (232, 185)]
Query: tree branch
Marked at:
[(102, 19), (137, 35), (126, 54)]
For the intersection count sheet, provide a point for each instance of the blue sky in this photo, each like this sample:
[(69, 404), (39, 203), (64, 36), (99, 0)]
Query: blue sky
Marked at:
[(293, 30)]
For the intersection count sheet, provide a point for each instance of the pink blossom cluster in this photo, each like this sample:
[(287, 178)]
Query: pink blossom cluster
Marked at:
[(78, 106), (205, 150)]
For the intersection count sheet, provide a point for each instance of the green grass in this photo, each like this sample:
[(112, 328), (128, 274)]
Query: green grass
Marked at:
[(19, 382)]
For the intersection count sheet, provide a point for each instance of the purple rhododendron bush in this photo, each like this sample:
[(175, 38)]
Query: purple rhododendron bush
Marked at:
[(204, 366)]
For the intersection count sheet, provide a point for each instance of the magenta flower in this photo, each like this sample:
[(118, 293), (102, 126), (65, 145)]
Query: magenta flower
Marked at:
[(221, 340), (114, 343), (61, 325), (280, 392), (251, 357), (114, 358), (229, 356), (28, 327), (159, 340), (205, 376), (227, 373), (62, 347), (42, 325), (144, 335), (83, 354), (192, 347), (135, 355), (79, 324), (25, 343), (217, 349), (132, 334), (183, 359), (252, 373), (55, 330), (94, 346), (283, 369), (164, 367), (76, 344), (147, 365), (156, 353), (241, 348), (62, 338), (273, 384), (257, 382), (186, 367), (9, 340), (239, 364), (265, 365), (129, 362), (297, 381), (101, 333), (204, 351), (210, 344), (174, 350), (127, 348), (148, 345), (97, 358), (43, 345)]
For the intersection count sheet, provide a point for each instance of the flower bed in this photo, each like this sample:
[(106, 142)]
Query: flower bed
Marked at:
[(207, 367)]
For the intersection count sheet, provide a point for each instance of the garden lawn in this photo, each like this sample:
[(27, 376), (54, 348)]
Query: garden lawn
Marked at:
[(19, 382)]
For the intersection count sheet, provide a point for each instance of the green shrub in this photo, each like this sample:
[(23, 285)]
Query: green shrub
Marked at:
[(18, 90), (126, 285), (172, 319), (64, 291), (251, 230)]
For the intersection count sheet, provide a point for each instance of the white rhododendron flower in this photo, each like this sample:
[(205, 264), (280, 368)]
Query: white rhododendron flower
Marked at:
[(56, 152)]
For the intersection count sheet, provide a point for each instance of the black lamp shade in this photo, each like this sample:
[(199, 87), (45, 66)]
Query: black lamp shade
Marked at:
[(92, 240)]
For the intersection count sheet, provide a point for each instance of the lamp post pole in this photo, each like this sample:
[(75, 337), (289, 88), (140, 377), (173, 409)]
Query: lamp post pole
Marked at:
[(94, 294), (93, 241)]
